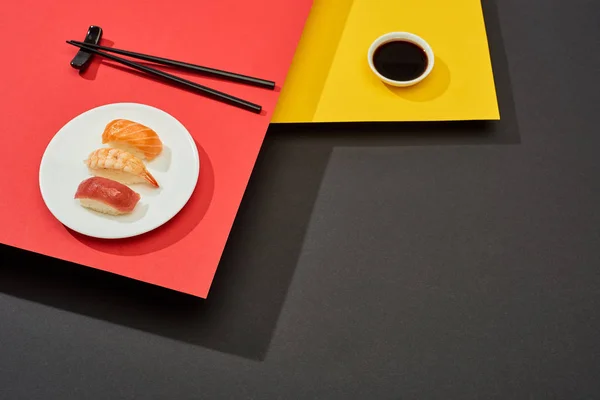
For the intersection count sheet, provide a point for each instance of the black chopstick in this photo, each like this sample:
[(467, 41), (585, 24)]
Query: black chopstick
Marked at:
[(215, 94), (232, 76)]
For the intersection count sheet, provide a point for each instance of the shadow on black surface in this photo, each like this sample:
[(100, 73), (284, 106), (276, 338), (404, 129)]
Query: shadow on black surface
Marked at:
[(246, 298), (260, 258)]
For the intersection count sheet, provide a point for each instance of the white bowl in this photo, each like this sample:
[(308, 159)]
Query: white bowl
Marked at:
[(407, 37)]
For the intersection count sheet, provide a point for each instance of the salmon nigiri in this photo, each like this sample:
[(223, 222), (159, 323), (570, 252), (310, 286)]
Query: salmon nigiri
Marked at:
[(119, 165), (106, 196), (132, 137)]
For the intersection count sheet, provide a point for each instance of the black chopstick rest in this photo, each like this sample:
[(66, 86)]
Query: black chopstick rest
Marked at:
[(82, 59)]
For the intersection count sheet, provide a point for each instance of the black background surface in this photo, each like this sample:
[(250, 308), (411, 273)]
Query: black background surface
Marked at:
[(386, 261)]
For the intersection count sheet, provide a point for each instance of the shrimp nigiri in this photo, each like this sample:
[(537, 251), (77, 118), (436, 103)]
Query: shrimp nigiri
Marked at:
[(119, 165)]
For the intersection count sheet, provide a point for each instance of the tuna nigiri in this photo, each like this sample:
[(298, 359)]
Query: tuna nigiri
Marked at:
[(132, 137), (106, 196), (119, 165)]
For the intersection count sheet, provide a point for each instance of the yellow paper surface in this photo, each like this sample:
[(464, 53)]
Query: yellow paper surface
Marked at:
[(330, 79)]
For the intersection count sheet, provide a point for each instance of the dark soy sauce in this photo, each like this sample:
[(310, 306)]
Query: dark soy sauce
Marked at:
[(400, 60)]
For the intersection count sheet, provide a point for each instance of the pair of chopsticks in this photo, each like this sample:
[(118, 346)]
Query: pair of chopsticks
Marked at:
[(212, 93)]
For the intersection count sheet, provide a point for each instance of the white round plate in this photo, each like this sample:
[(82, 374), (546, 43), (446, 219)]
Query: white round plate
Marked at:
[(62, 170)]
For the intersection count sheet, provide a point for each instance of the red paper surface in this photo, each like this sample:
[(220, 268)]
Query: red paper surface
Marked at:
[(40, 92)]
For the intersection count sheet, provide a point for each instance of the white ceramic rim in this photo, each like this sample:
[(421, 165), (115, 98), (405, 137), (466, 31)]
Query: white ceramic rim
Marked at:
[(402, 36)]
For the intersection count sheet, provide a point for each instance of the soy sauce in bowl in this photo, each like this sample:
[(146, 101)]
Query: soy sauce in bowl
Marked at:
[(400, 60)]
